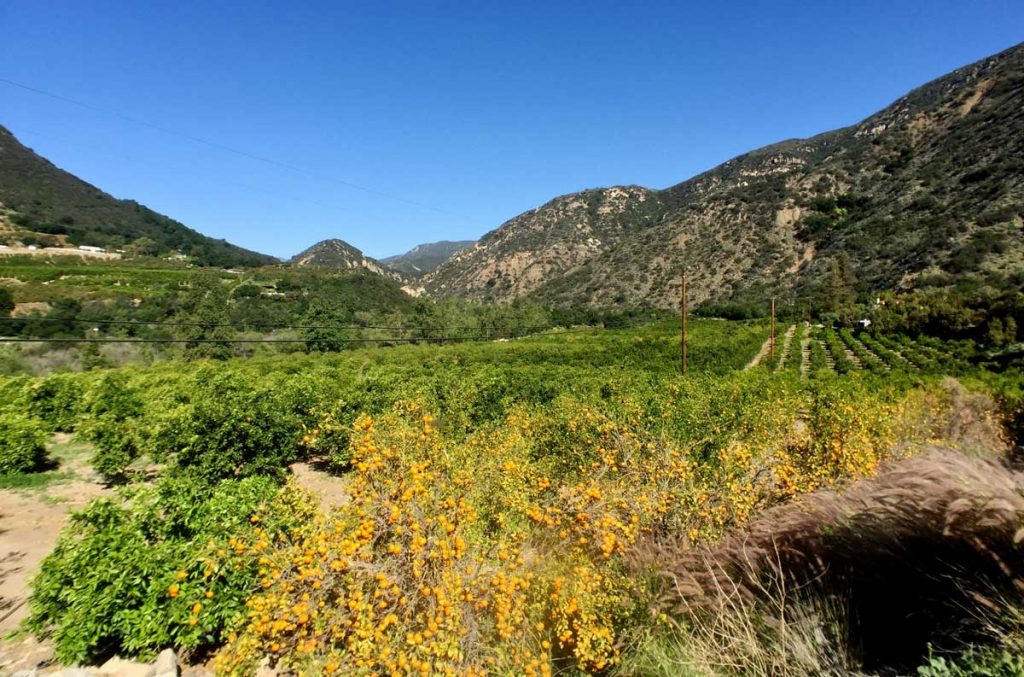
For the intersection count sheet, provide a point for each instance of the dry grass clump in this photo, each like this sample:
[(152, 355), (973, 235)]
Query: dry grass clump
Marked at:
[(928, 553), (956, 417)]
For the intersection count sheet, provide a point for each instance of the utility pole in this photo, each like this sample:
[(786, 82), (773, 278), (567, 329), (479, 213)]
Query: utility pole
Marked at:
[(771, 340), (682, 309)]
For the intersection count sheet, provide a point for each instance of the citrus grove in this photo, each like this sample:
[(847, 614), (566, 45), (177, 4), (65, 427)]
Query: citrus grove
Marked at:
[(496, 515)]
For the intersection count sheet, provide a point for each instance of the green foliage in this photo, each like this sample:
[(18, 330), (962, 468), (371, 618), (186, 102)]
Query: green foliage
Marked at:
[(840, 288), (322, 331), (6, 305), (246, 291), (988, 317), (867, 359), (841, 361), (107, 587), (230, 427), (975, 662), (143, 246), (550, 405), (112, 408), (819, 361), (883, 351), (55, 399), (205, 312), (22, 443)]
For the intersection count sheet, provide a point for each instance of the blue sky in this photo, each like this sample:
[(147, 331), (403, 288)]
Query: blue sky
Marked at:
[(461, 114)]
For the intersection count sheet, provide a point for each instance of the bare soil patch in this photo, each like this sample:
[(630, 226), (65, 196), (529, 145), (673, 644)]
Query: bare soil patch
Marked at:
[(30, 521), (330, 489)]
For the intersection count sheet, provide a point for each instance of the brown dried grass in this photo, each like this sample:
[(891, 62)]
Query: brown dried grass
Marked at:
[(928, 553)]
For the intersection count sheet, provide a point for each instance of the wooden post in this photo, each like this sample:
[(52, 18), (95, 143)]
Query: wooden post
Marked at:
[(771, 340), (682, 310)]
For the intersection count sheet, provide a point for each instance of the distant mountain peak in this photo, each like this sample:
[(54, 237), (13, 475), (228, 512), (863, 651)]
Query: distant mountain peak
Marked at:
[(337, 254), (424, 258)]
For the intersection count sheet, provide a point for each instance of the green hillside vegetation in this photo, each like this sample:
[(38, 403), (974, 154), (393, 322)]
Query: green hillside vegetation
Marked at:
[(309, 308), (44, 205), (202, 313)]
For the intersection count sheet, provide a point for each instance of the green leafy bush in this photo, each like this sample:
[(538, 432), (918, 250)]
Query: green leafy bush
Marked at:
[(169, 565), (56, 399), (231, 428), (819, 361), (112, 408), (22, 443), (987, 662), (843, 363)]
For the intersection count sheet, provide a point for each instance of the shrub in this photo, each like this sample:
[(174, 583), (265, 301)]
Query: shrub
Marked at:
[(867, 359), (819, 361), (135, 574), (22, 443), (56, 399), (482, 554), (843, 363), (112, 408), (231, 428), (328, 438)]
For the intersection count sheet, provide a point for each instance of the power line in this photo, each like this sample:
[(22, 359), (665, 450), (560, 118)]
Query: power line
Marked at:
[(401, 339), (105, 150), (227, 340), (241, 325), (229, 149)]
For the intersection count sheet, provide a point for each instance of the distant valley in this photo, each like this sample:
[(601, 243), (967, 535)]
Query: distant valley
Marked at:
[(927, 192)]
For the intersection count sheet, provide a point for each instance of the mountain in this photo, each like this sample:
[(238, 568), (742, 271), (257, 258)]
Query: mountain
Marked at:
[(339, 255), (424, 258), (929, 191), (42, 203)]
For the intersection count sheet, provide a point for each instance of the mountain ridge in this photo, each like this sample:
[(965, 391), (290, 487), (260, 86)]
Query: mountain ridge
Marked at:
[(43, 203), (928, 188), (425, 257)]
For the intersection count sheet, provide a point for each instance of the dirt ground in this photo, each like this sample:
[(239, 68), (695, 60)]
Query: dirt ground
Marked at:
[(30, 521), (761, 354), (332, 491)]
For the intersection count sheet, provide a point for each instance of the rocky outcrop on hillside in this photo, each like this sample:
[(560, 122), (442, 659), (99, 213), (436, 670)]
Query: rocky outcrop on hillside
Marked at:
[(928, 191)]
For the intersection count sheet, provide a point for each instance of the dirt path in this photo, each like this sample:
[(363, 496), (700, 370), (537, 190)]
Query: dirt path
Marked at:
[(830, 360), (331, 490), (787, 345), (765, 347), (30, 521), (805, 356)]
